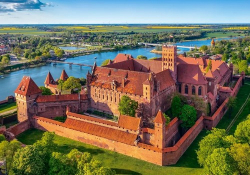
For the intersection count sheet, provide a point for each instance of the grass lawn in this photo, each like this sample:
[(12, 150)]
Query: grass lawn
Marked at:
[(7, 107), (126, 165)]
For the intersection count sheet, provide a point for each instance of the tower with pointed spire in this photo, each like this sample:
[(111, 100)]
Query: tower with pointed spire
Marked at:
[(212, 43), (160, 129), (64, 76), (49, 80), (26, 94)]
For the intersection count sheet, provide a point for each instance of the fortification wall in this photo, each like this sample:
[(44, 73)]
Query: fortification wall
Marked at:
[(19, 128), (172, 154), (172, 132), (129, 150)]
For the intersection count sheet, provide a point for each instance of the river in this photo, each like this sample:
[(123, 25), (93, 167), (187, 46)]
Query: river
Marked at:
[(10, 81)]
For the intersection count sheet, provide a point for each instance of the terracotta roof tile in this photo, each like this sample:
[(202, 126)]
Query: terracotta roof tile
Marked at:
[(55, 98), (122, 57), (132, 123), (27, 87), (188, 73), (165, 79), (101, 131), (160, 118), (49, 79), (225, 89), (64, 75)]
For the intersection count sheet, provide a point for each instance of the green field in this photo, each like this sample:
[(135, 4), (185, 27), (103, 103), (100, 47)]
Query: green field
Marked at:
[(24, 31), (7, 107), (222, 35), (187, 165)]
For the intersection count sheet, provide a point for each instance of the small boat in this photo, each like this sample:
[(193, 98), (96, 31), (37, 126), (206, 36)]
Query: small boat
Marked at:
[(63, 59)]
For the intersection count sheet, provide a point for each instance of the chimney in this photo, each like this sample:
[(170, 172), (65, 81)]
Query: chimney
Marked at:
[(123, 82)]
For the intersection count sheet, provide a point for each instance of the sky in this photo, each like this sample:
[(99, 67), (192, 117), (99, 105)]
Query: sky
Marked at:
[(123, 11)]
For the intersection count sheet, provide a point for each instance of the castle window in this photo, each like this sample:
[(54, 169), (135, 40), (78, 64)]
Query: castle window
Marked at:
[(180, 88), (193, 90), (186, 89), (199, 90)]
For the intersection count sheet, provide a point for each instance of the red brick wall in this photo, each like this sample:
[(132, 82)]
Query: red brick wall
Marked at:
[(19, 128), (172, 132), (133, 151), (172, 154)]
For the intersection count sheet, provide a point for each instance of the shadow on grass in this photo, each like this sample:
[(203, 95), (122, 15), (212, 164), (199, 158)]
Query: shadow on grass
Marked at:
[(124, 171), (65, 148)]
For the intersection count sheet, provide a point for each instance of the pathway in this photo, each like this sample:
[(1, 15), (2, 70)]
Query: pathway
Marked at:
[(8, 112), (239, 112)]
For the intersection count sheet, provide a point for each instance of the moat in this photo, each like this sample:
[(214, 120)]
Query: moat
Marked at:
[(10, 81)]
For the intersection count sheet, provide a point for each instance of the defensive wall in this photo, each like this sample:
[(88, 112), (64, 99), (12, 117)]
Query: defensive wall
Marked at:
[(144, 151)]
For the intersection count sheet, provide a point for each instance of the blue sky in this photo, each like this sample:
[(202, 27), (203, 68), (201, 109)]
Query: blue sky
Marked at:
[(123, 11)]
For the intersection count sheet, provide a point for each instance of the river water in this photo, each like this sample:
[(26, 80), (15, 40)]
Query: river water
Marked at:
[(10, 81)]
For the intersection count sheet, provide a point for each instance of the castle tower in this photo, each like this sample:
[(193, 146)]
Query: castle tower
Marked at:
[(160, 129), (212, 43), (26, 94), (64, 75), (169, 60), (49, 80)]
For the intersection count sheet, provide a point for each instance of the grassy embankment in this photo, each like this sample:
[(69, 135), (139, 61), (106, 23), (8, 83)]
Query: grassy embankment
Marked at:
[(7, 107), (126, 165)]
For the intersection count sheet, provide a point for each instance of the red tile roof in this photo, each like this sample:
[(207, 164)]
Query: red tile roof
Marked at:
[(132, 123), (101, 131), (27, 87), (165, 79), (93, 119), (122, 57), (55, 98), (188, 73), (49, 79), (225, 89), (64, 75), (104, 76), (160, 118)]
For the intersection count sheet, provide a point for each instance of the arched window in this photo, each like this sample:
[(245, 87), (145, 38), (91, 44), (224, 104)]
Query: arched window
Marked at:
[(180, 88), (199, 90), (186, 89), (193, 90)]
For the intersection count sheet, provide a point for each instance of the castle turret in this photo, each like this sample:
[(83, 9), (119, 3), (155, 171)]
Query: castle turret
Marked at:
[(64, 76), (26, 94), (212, 43), (160, 129), (49, 80), (169, 60)]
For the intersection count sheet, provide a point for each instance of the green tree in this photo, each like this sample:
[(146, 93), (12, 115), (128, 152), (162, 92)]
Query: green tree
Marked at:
[(105, 62), (45, 91), (203, 48), (176, 106), (231, 104), (216, 139), (8, 150), (220, 162), (241, 154), (168, 119), (82, 81), (59, 52), (127, 106), (209, 66), (188, 116), (225, 57), (141, 57), (60, 84), (243, 66), (5, 60), (242, 132), (72, 83), (27, 161), (2, 138)]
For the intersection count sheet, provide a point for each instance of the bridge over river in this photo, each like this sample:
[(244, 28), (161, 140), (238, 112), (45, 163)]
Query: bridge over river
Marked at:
[(188, 47), (69, 63)]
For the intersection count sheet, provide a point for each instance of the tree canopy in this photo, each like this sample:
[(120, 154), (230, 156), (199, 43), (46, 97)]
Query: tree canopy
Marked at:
[(105, 62), (188, 116), (127, 106), (45, 91), (141, 57), (71, 83), (176, 106)]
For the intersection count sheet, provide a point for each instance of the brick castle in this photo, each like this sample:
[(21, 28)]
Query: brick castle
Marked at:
[(151, 83)]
